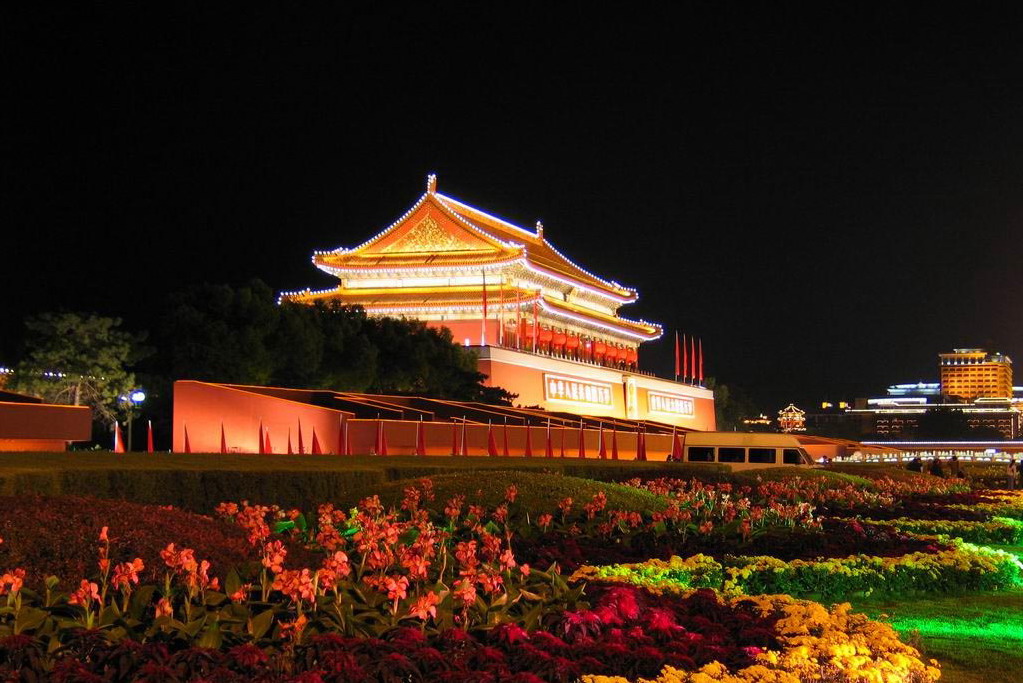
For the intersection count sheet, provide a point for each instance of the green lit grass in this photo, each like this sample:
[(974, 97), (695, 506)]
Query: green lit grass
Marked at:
[(977, 638)]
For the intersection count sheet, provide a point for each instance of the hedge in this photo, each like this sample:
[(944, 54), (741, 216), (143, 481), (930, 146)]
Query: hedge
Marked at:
[(201, 481)]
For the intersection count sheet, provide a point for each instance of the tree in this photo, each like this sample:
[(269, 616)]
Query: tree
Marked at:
[(78, 359), (731, 406), (241, 335)]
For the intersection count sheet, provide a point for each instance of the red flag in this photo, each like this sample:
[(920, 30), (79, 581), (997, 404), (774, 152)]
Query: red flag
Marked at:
[(316, 444), (223, 438), (149, 437), (685, 359), (118, 438), (188, 446), (601, 446), (641, 446), (290, 451), (614, 441), (549, 452), (677, 357), (269, 445), (454, 438), (301, 444), (676, 446), (262, 444), (529, 442), (701, 362), (420, 438), (506, 454), (491, 441), (383, 440), (582, 440)]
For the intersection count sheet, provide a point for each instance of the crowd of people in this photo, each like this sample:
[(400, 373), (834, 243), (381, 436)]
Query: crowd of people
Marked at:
[(1013, 469)]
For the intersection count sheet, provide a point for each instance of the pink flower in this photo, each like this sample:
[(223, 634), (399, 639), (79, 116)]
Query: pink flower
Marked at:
[(511, 493), (103, 535), (127, 573), (273, 556), (86, 593), (425, 606), (565, 505), (524, 569), (297, 585), (396, 587), (545, 520), (507, 559), (707, 527), (11, 582), (164, 608), (465, 591)]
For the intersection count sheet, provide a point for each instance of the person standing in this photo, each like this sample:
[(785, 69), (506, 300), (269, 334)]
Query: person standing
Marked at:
[(935, 468), (915, 465)]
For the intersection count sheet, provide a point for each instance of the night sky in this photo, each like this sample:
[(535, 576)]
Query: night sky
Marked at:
[(828, 198)]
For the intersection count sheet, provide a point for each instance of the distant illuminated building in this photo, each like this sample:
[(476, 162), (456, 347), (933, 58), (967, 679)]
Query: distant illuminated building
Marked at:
[(791, 419), (761, 421), (969, 374)]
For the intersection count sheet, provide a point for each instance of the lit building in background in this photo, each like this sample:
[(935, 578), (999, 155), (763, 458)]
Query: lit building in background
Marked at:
[(759, 423), (973, 381), (544, 328), (969, 374), (791, 419)]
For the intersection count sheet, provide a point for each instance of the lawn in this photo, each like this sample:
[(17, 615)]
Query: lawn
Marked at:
[(978, 638)]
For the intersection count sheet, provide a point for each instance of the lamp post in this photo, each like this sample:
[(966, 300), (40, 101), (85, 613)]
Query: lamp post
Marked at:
[(134, 399)]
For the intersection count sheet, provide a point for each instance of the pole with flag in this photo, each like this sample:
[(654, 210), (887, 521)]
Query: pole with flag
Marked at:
[(420, 437), (677, 357), (491, 441), (676, 446), (685, 360), (701, 362), (149, 437), (118, 439)]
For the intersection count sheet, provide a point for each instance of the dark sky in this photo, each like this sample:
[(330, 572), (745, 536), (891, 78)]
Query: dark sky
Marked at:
[(828, 198)]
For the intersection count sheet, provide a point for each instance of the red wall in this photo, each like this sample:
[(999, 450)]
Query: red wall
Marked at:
[(42, 426)]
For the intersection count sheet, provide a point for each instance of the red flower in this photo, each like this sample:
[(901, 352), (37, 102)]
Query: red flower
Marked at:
[(425, 606)]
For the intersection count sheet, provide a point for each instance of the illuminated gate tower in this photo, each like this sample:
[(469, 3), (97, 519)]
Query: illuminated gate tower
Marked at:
[(544, 328)]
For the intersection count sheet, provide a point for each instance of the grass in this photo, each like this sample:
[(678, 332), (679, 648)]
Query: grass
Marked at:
[(538, 492), (977, 638)]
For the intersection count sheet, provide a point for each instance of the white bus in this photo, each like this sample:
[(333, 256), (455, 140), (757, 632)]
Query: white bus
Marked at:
[(745, 451)]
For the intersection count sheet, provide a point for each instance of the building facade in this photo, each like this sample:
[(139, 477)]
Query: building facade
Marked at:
[(544, 328), (969, 374)]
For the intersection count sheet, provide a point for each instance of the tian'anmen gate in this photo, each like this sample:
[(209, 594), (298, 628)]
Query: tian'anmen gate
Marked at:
[(544, 328)]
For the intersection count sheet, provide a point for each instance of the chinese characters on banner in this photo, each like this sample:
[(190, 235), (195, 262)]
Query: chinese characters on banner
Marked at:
[(560, 388), (668, 403)]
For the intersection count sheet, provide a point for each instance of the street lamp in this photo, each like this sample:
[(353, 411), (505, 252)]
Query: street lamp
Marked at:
[(135, 398)]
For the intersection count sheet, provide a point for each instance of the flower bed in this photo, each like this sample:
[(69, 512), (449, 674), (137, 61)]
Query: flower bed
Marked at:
[(998, 531), (816, 644), (966, 567)]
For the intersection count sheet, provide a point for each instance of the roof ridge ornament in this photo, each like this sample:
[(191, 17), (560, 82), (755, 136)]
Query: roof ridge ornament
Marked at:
[(431, 183), (539, 230)]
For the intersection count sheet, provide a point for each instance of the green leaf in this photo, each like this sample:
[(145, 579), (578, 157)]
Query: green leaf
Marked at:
[(260, 624), (232, 582), (282, 526), (28, 619), (211, 637)]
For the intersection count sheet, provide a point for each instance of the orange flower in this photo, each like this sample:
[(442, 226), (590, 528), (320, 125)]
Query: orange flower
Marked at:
[(425, 606), (164, 608), (127, 573), (86, 593)]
